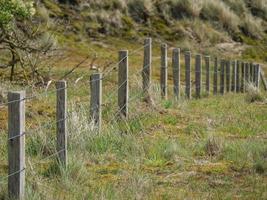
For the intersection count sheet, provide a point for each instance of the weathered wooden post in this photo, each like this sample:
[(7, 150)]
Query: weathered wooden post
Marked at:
[(222, 77), (176, 72), (207, 65), (164, 71), (61, 87), (16, 145), (188, 74), (233, 85), (243, 78), (123, 83), (238, 76), (251, 72), (257, 76), (228, 75), (247, 73), (264, 82), (146, 73), (198, 76), (215, 77), (254, 74), (96, 99)]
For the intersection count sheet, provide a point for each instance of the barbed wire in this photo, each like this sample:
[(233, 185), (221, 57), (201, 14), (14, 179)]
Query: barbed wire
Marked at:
[(104, 75), (52, 123), (2, 179)]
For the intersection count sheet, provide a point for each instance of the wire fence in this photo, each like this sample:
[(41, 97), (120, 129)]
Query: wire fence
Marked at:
[(109, 97)]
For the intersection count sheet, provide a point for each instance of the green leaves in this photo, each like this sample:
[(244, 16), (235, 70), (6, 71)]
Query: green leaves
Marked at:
[(12, 10)]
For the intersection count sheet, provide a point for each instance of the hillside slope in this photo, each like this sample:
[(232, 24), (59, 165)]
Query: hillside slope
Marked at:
[(239, 27)]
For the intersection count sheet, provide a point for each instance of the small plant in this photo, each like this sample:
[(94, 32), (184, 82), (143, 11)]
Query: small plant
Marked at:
[(167, 104), (213, 146), (254, 94)]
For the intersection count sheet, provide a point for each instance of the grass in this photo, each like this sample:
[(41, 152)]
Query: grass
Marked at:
[(209, 148), (223, 21)]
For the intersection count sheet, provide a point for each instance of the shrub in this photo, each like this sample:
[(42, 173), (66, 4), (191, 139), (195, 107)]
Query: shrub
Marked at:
[(253, 94), (238, 6), (14, 10), (185, 8), (139, 10), (218, 12), (258, 8), (251, 27)]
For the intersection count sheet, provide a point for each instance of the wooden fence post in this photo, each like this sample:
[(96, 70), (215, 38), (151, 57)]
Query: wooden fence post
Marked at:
[(233, 85), (164, 71), (176, 72), (123, 83), (16, 145), (222, 77), (254, 74), (243, 78), (257, 75), (237, 76), (251, 72), (228, 75), (146, 73), (198, 76), (188, 74), (61, 87), (264, 82), (207, 65), (247, 73), (96, 99), (215, 77)]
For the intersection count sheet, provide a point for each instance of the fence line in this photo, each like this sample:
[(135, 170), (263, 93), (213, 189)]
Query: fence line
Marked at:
[(104, 74), (228, 71)]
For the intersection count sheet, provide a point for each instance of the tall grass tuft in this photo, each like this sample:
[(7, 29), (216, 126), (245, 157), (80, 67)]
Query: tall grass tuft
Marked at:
[(219, 13), (254, 94), (251, 27)]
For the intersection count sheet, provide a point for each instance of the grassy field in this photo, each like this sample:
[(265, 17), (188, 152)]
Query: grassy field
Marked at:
[(212, 148)]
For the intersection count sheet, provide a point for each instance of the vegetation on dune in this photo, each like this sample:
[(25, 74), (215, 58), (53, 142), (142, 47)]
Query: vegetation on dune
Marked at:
[(204, 25), (227, 14)]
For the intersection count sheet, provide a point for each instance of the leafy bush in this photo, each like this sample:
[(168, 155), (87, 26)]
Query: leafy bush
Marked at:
[(14, 10), (23, 38)]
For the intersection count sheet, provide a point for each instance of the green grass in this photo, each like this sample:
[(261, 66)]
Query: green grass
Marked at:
[(212, 147), (208, 148)]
